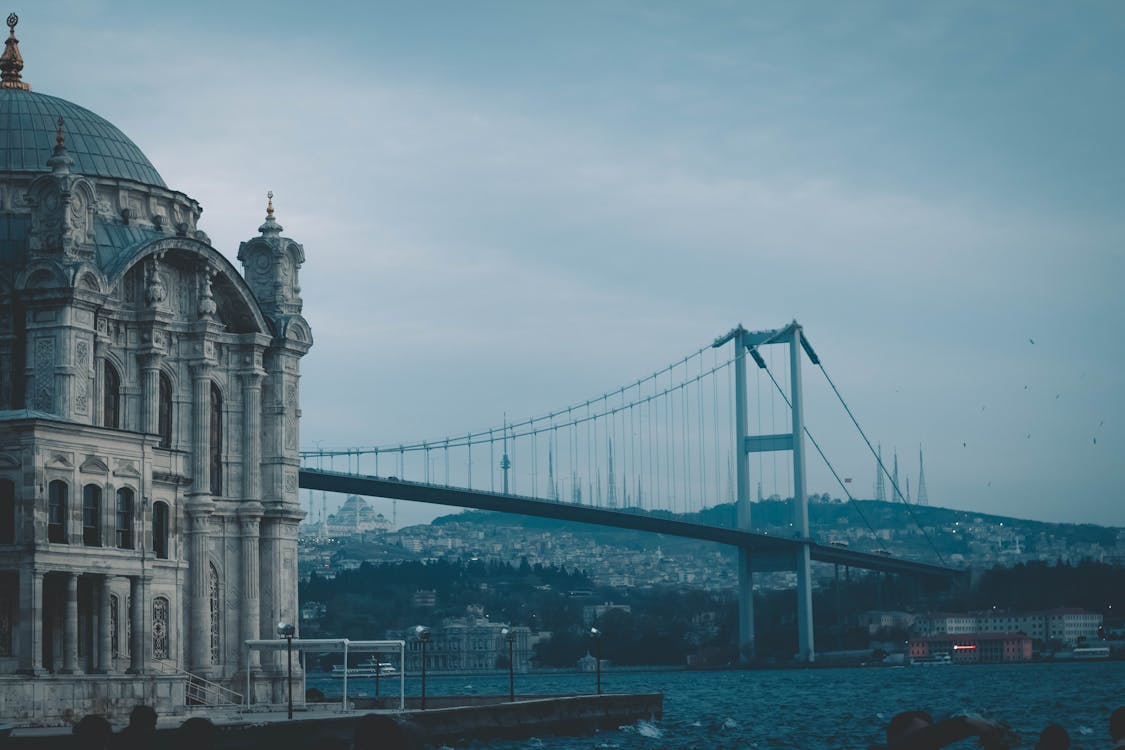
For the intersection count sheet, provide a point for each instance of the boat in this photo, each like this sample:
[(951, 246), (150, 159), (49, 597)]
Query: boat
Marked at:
[(938, 659), (367, 668), (1091, 652)]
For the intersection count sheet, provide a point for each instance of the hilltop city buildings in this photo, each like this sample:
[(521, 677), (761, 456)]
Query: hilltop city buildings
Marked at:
[(149, 412)]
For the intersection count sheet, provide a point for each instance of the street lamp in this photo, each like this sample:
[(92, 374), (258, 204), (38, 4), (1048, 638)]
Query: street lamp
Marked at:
[(597, 636), (422, 633), (511, 638), (286, 631)]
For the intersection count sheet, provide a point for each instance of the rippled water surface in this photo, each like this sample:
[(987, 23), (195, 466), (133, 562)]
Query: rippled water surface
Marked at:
[(822, 708)]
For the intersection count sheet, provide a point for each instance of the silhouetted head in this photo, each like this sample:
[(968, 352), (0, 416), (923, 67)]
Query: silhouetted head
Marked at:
[(197, 733), (377, 731), (143, 717), (1053, 737), (93, 731), (1117, 724), (906, 723)]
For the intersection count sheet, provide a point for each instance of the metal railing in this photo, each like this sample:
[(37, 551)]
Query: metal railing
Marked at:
[(199, 691)]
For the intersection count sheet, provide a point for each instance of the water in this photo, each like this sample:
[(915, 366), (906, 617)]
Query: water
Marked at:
[(814, 708)]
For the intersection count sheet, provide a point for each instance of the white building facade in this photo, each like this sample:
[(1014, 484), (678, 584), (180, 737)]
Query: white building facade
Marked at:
[(149, 413)]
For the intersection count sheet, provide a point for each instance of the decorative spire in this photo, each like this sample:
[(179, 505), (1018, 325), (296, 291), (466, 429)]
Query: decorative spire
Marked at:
[(11, 62), (60, 161), (270, 228)]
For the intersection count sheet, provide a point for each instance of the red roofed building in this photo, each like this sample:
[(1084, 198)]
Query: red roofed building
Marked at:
[(974, 648)]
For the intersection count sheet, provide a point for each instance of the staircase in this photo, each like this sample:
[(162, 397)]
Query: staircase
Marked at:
[(199, 691)]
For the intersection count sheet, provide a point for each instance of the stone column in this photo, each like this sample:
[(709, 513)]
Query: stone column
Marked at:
[(201, 429), (104, 645), (31, 621), (252, 434), (199, 612), (150, 392), (137, 618), (198, 512), (70, 626), (249, 516)]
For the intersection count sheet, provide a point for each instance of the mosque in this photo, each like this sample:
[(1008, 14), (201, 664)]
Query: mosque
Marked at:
[(149, 415)]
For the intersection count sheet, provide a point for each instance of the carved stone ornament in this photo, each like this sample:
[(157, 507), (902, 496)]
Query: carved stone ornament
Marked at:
[(207, 306), (155, 291)]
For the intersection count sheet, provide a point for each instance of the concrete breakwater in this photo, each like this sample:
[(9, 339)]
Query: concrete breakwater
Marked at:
[(446, 721)]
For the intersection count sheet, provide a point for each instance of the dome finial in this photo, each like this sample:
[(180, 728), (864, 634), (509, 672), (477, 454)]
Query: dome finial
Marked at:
[(11, 62), (60, 161), (270, 228)]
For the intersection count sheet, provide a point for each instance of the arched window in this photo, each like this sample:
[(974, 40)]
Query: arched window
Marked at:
[(57, 495), (125, 518), (111, 400), (216, 441), (160, 628), (164, 412), (160, 530), (213, 599), (7, 511), (92, 515)]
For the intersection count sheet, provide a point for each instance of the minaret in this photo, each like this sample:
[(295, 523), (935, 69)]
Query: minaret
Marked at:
[(923, 496), (894, 480), (880, 485)]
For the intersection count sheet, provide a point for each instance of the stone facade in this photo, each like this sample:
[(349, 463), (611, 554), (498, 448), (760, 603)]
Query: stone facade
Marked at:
[(149, 415)]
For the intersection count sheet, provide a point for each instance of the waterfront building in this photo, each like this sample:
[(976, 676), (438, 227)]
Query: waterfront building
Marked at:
[(149, 408), (874, 621), (471, 644), (1070, 626), (974, 648)]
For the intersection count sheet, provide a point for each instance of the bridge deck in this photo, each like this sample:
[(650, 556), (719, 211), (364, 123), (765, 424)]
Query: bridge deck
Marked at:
[(760, 544)]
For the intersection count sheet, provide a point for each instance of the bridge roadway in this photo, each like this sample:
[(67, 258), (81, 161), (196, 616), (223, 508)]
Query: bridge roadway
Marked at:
[(769, 552)]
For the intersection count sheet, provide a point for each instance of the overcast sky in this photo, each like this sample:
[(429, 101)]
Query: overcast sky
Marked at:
[(508, 207)]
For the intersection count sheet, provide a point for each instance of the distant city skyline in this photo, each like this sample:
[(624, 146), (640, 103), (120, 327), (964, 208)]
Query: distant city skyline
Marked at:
[(506, 208)]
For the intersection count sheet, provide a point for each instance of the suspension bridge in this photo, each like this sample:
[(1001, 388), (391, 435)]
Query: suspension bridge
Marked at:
[(642, 457)]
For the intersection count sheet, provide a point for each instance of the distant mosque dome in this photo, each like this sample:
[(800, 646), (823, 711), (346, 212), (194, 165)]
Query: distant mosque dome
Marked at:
[(28, 128)]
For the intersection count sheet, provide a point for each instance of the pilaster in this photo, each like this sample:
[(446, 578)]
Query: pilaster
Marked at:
[(31, 620)]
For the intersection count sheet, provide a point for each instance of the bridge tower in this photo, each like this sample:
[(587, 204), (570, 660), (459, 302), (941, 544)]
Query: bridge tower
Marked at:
[(747, 341)]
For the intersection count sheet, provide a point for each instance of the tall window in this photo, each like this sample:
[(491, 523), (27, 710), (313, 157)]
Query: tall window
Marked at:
[(164, 412), (7, 511), (8, 597), (160, 628), (216, 441), (213, 598), (125, 518), (57, 492), (114, 637), (92, 515), (111, 405), (160, 530)]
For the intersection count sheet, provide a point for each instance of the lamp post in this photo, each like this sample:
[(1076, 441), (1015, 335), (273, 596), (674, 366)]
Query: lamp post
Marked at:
[(423, 635), (597, 636), (511, 638), (286, 631)]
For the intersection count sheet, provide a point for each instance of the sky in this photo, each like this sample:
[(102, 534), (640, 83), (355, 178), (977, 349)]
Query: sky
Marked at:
[(507, 207)]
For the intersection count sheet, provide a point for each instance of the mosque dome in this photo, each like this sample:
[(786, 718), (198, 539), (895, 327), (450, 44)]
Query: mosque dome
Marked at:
[(28, 126)]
